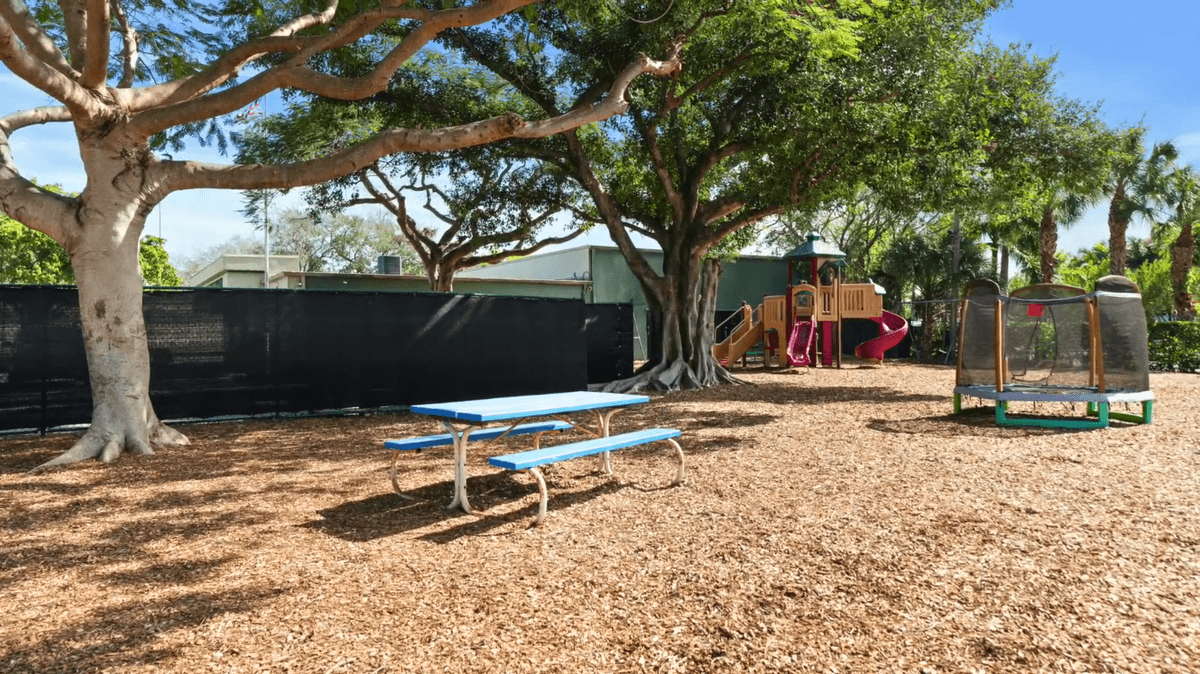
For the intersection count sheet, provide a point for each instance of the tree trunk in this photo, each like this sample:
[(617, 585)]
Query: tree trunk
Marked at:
[(1117, 228), (1182, 252), (105, 258), (443, 277), (686, 360), (956, 261), (1048, 244), (1004, 268)]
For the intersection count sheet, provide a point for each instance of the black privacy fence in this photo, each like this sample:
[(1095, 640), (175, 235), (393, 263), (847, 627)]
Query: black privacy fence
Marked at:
[(249, 352)]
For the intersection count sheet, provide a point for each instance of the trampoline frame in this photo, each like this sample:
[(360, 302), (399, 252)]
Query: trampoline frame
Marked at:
[(1098, 405), (1098, 399)]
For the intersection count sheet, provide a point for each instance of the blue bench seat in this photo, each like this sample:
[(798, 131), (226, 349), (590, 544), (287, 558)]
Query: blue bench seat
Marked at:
[(445, 439), (532, 459)]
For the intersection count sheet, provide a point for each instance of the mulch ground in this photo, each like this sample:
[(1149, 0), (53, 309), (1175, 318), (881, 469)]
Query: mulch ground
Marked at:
[(834, 521)]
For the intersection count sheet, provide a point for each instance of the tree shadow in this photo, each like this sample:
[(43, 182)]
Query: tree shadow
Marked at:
[(124, 540), (712, 445), (121, 636), (780, 393), (693, 422)]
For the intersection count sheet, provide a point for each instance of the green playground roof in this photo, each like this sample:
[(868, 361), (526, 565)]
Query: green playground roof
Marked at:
[(815, 246)]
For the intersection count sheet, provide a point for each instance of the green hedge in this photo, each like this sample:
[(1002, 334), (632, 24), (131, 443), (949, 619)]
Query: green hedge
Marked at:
[(1175, 346)]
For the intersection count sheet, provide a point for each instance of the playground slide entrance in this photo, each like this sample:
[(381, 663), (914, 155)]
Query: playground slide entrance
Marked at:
[(803, 334)]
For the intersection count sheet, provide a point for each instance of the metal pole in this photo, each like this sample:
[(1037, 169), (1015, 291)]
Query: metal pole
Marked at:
[(266, 240)]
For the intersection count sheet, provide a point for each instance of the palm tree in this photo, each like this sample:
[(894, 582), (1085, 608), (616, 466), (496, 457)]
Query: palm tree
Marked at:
[(1134, 181), (1182, 196), (1062, 208)]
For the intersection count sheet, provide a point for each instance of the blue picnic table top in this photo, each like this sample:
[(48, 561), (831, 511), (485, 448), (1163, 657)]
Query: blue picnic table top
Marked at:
[(518, 407)]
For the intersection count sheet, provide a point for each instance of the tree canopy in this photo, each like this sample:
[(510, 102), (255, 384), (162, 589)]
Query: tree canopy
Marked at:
[(777, 106), (136, 79)]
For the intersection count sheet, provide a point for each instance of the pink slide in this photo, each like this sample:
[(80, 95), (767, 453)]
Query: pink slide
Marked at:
[(803, 334), (892, 329)]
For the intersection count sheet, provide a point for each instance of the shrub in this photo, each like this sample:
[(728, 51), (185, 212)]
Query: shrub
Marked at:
[(1175, 346)]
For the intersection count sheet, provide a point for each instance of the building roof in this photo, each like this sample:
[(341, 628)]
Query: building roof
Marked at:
[(242, 263)]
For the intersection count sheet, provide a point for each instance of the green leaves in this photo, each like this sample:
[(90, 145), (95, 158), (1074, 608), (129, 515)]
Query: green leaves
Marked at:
[(157, 269), (1175, 346), (27, 256)]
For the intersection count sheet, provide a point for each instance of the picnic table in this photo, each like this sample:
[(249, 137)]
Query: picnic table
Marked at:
[(511, 416)]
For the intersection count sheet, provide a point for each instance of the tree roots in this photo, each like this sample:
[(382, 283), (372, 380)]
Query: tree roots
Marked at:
[(674, 376), (107, 444)]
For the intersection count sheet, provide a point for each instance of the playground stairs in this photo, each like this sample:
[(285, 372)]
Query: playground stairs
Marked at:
[(738, 345)]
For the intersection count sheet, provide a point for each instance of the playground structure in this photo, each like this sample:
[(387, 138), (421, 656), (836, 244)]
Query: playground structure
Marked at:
[(1051, 343), (804, 326)]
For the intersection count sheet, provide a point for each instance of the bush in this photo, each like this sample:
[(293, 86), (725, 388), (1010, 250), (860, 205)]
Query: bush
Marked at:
[(1175, 346)]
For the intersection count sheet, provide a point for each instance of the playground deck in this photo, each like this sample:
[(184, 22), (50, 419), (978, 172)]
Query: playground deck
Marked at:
[(831, 519)]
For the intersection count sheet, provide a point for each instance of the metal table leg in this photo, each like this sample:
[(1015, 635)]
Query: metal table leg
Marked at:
[(460, 436)]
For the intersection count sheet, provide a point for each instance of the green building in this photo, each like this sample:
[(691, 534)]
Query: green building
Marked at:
[(746, 278)]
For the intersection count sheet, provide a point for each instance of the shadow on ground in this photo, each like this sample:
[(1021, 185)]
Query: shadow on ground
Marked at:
[(390, 514)]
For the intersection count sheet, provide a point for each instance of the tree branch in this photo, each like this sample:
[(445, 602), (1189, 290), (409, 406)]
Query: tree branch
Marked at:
[(706, 164), (95, 64), (49, 213), (536, 92), (193, 175), (650, 279), (75, 25), (400, 209), (192, 107), (659, 164), (39, 74), (614, 103), (673, 101), (717, 235), (474, 260), (36, 41), (129, 46)]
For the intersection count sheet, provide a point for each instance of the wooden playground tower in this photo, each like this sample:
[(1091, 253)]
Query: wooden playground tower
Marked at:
[(805, 324)]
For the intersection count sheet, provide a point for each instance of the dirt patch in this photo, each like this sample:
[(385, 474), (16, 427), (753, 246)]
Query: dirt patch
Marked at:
[(833, 521)]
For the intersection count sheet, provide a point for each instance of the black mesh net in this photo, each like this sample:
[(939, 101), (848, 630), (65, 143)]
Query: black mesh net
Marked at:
[(235, 352), (1047, 337), (1048, 333)]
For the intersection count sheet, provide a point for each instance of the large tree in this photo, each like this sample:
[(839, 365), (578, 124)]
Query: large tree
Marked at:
[(490, 208), (124, 96), (780, 104)]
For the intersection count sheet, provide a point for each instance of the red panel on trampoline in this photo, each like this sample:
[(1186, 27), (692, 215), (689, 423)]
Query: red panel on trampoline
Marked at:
[(1035, 310)]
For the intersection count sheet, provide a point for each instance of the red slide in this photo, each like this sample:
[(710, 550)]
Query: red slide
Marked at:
[(803, 334), (892, 329)]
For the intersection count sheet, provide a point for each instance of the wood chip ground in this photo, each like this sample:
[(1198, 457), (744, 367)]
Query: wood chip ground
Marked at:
[(832, 521)]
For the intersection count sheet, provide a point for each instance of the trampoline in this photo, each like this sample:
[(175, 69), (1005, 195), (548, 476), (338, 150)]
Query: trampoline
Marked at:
[(1051, 343)]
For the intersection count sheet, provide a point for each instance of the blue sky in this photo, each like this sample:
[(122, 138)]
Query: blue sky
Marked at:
[(1140, 59)]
